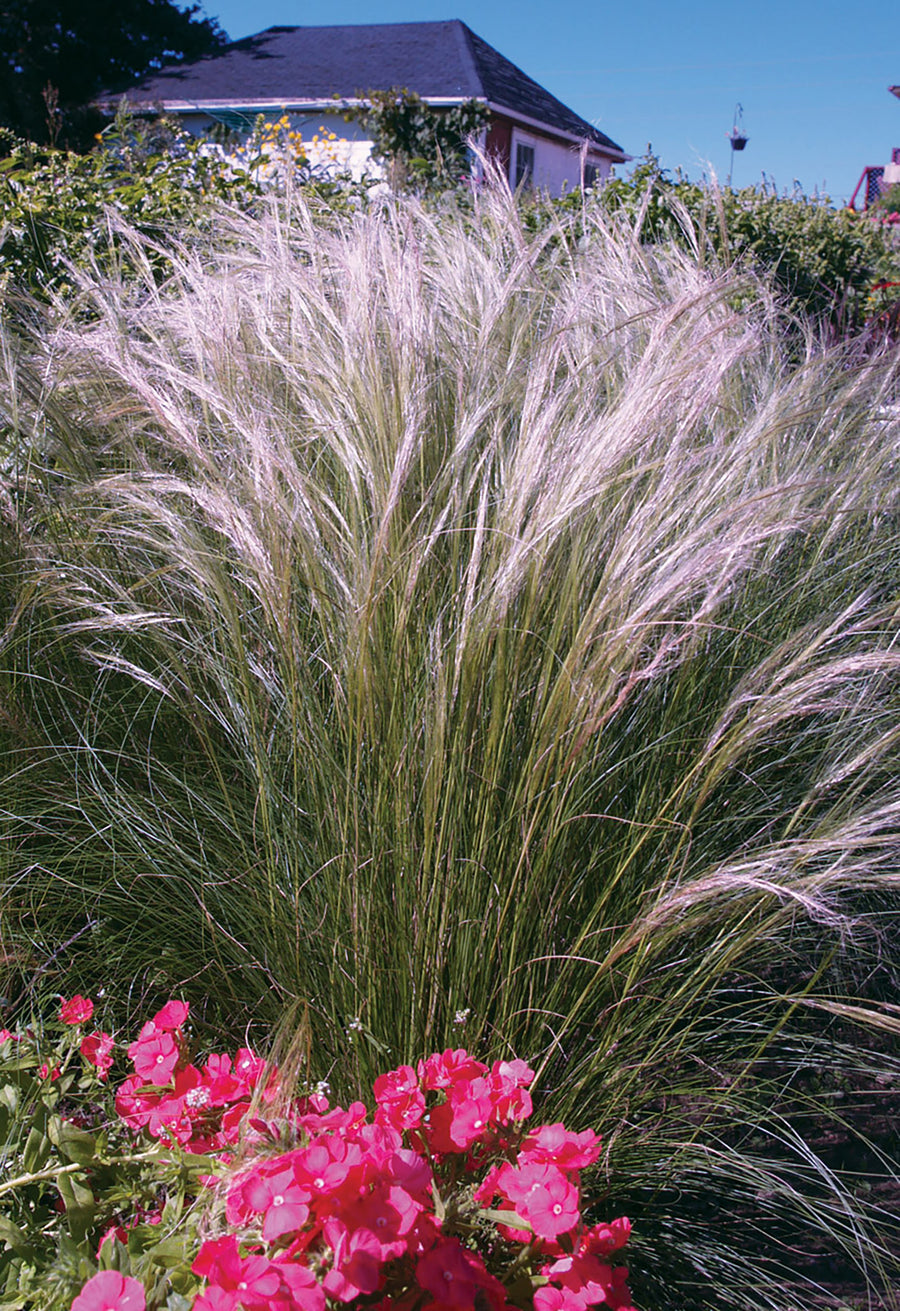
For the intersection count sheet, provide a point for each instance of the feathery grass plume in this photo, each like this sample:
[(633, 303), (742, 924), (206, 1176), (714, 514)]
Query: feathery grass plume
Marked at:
[(480, 638)]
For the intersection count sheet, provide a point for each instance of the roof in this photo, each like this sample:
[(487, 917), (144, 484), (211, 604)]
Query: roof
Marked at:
[(441, 61)]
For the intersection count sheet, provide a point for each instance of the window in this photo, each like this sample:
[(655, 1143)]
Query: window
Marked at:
[(524, 165), (591, 176)]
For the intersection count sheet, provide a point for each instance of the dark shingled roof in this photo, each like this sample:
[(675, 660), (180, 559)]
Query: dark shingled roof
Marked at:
[(284, 65)]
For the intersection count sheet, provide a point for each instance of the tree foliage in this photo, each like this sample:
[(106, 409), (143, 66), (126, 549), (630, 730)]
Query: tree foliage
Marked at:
[(56, 55), (419, 146)]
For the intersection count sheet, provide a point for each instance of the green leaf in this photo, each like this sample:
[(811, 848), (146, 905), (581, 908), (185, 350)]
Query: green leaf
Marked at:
[(507, 1218), (80, 1204), (38, 1148), (170, 1252), (73, 1143), (114, 1255), (14, 1237)]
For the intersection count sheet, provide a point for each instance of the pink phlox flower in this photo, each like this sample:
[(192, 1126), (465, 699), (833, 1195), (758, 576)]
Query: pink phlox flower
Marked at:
[(582, 1277), (110, 1291), (230, 1126), (515, 1074), (487, 1190), (248, 1066), (464, 1118), (602, 1239), (405, 1206), (282, 1202), (47, 1073), (255, 1279), (446, 1068), (381, 1244), (387, 1213), (378, 1143), (212, 1253), (423, 1234), (617, 1295), (312, 1104), (554, 1144), (396, 1085), (239, 1206), (455, 1277), (509, 1082), (332, 1169), (223, 1086), (410, 1171), (77, 1010), (171, 1018), (174, 1112), (134, 1102), (169, 1122), (215, 1298), (591, 1281), (356, 1266), (301, 1285), (401, 1102), (97, 1050), (551, 1298), (155, 1057), (335, 1120), (543, 1196)]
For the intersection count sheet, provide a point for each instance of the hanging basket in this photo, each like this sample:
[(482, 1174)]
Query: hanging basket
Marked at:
[(738, 140)]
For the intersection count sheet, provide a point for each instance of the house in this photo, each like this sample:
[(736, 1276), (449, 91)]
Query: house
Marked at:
[(304, 71)]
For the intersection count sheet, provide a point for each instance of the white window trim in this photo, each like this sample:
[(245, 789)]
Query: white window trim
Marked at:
[(520, 138)]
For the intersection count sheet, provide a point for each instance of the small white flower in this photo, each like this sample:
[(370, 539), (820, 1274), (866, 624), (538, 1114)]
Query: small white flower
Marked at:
[(461, 1016)]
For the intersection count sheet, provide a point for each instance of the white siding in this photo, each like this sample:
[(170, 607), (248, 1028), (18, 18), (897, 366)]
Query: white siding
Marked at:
[(557, 166)]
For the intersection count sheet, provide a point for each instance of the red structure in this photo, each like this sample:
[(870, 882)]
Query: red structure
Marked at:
[(878, 177)]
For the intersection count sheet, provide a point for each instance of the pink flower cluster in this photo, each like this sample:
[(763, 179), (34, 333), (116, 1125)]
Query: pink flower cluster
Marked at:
[(96, 1048), (387, 1209), (201, 1109), (441, 1200)]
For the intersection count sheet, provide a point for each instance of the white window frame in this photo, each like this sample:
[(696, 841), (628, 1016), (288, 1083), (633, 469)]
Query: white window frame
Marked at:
[(520, 138)]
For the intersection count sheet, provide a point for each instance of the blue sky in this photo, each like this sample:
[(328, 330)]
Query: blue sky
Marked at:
[(811, 75)]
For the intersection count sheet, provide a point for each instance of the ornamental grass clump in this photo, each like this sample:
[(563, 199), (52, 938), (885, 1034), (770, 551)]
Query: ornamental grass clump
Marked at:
[(461, 636)]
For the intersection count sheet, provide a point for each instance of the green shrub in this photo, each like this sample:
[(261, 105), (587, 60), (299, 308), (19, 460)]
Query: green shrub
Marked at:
[(63, 215), (62, 212), (824, 262)]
